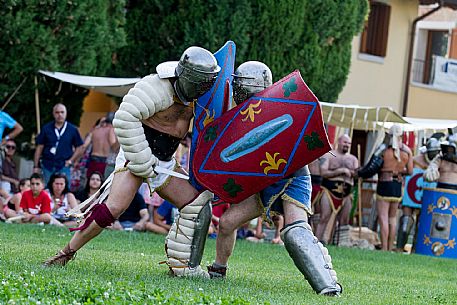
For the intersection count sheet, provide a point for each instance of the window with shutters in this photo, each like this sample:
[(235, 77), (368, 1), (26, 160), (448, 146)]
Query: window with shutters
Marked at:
[(376, 31)]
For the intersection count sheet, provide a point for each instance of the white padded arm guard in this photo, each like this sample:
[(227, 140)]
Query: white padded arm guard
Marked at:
[(432, 173), (186, 239), (149, 96)]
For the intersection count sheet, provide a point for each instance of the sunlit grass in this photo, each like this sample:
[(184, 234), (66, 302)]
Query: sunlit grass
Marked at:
[(123, 268)]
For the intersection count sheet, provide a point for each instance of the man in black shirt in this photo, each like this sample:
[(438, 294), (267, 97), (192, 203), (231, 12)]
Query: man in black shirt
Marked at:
[(135, 217)]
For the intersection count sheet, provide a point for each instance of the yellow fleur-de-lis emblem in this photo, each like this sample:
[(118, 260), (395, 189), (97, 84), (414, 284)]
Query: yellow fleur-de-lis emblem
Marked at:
[(250, 111), (430, 208), (273, 164), (208, 118)]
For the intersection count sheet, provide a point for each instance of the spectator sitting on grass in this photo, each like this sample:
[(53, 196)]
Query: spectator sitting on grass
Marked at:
[(3, 203), (62, 200), (13, 206), (9, 180), (35, 203), (263, 230), (135, 217), (93, 184), (164, 215)]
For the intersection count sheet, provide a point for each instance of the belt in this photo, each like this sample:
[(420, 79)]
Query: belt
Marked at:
[(98, 159), (390, 176)]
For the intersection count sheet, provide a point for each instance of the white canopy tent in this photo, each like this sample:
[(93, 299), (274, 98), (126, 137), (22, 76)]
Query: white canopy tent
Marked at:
[(109, 85), (359, 117), (375, 118), (379, 119), (432, 125)]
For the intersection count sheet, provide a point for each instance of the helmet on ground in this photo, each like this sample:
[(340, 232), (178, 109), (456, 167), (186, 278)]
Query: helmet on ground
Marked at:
[(250, 78)]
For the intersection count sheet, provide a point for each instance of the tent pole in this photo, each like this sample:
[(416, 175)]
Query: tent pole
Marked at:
[(13, 94), (359, 193), (37, 107)]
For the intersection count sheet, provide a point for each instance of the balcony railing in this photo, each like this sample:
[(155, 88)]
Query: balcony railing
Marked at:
[(421, 71)]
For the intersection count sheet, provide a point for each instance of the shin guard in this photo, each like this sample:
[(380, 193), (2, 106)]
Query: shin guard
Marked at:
[(404, 228), (100, 214), (185, 242), (311, 258)]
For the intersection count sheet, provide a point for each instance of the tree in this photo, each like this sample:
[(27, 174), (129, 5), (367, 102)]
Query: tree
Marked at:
[(77, 36), (311, 35)]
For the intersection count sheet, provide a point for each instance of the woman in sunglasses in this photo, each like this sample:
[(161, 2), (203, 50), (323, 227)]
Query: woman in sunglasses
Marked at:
[(8, 173)]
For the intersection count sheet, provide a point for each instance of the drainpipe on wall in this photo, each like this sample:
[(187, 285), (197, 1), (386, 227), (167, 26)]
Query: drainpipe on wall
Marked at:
[(410, 54)]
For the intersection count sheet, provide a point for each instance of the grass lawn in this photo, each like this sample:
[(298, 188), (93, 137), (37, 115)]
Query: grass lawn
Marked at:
[(122, 268)]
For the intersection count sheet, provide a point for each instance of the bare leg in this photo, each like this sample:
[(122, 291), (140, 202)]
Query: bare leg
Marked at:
[(279, 224), (326, 212), (393, 207), (407, 211), (178, 191), (124, 187), (152, 227), (46, 218), (234, 217), (10, 213), (116, 226), (383, 219), (293, 213), (345, 211), (55, 222)]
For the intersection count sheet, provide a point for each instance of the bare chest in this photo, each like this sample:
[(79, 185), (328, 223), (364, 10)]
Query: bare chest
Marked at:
[(174, 121), (175, 113), (448, 167), (341, 162)]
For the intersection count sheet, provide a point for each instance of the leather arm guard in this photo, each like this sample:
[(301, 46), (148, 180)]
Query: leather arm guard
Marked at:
[(150, 95), (185, 242), (311, 258), (374, 165), (432, 173)]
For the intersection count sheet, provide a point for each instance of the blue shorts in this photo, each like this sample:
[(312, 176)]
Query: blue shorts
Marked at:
[(127, 224), (296, 190)]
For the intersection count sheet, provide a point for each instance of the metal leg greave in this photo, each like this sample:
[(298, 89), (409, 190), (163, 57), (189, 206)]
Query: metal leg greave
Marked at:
[(311, 258), (404, 228), (186, 239)]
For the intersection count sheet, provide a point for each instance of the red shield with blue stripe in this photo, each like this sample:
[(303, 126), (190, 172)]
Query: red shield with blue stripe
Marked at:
[(261, 141)]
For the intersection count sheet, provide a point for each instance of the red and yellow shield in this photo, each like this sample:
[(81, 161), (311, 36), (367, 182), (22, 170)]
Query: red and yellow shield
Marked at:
[(261, 141)]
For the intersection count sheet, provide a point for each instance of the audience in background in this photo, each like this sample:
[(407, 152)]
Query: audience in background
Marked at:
[(103, 141), (165, 215), (6, 121), (93, 184), (59, 145), (35, 203), (9, 180), (135, 217), (62, 200), (13, 206)]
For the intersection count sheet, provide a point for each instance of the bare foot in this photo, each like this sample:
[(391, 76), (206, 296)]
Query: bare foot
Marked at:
[(277, 241)]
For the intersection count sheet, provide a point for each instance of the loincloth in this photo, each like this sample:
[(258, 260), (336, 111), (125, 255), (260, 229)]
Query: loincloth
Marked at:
[(390, 191), (336, 192)]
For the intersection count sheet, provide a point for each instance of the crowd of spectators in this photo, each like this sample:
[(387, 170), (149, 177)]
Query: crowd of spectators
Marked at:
[(69, 170)]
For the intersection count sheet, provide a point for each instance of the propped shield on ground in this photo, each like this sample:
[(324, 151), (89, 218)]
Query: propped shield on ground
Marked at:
[(216, 101), (261, 141)]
